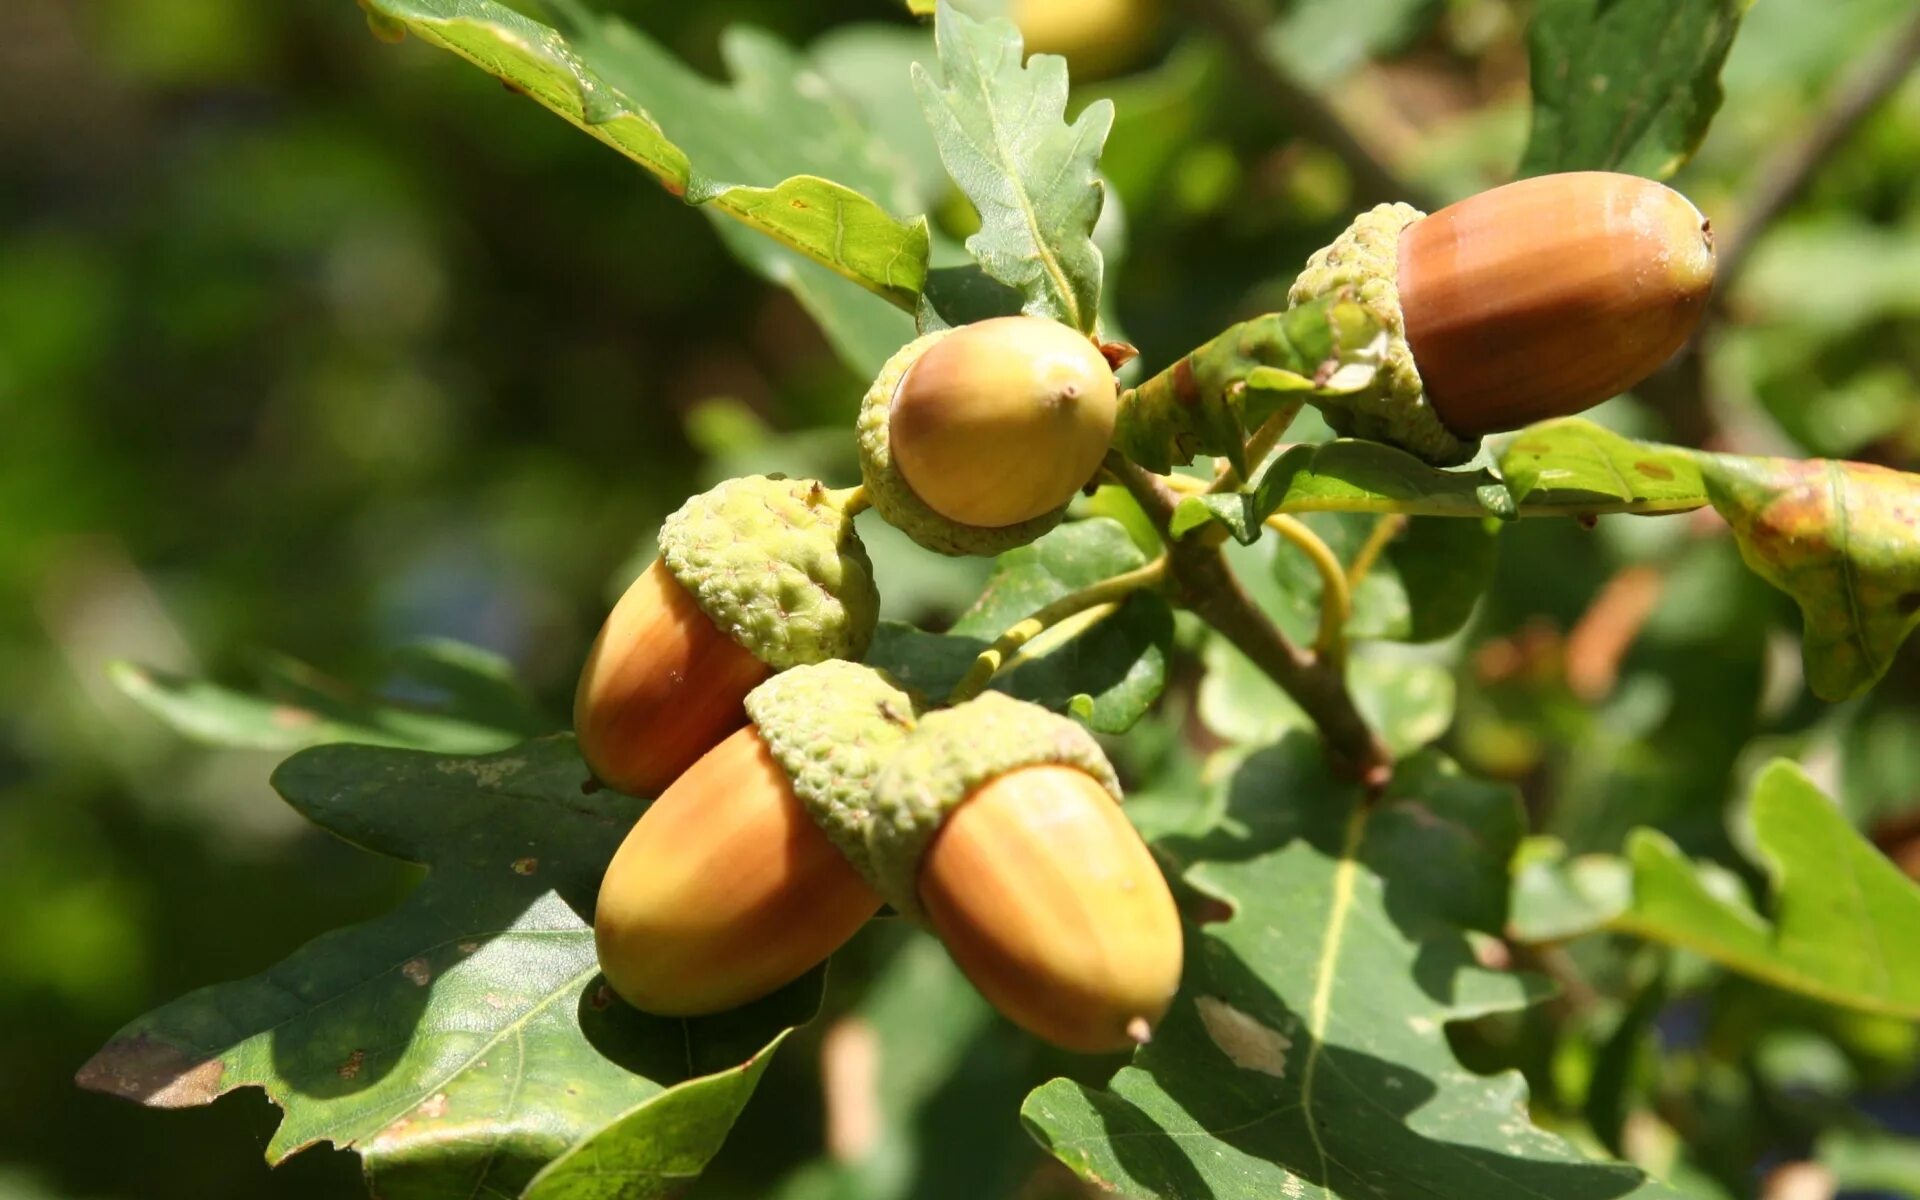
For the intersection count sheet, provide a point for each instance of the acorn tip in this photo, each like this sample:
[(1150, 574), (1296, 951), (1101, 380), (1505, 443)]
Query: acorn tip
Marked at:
[(1140, 1031)]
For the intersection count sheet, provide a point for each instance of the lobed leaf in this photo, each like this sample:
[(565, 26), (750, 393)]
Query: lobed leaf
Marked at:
[(1576, 467), (1000, 125), (462, 1040), (1625, 85), (1843, 915), (1306, 1054), (779, 151), (1106, 667), (1843, 539)]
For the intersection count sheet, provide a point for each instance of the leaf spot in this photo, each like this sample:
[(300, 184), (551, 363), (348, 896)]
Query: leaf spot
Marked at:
[(1653, 470), (1251, 1045), (525, 866), (417, 971), (350, 1069), (434, 1107), (469, 947), (601, 997)]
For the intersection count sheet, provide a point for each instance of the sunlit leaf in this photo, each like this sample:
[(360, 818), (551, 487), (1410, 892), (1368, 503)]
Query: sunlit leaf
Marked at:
[(466, 1035), (1843, 539), (1001, 128), (777, 150), (1582, 468)]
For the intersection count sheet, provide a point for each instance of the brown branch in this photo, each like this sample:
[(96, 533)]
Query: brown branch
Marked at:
[(1203, 583), (1243, 38)]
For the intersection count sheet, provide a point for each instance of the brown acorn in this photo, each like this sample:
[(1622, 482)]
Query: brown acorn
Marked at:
[(999, 823), (725, 889), (1050, 903), (1546, 296), (755, 576), (751, 869)]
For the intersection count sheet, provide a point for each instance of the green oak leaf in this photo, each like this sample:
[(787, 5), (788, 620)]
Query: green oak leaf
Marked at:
[(1105, 666), (1843, 915), (464, 1039), (1352, 476), (1576, 467), (438, 695), (1843, 539), (1306, 1054), (778, 151), (1032, 177), (1625, 85)]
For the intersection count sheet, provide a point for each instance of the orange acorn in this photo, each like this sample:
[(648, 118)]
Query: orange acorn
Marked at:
[(999, 823), (755, 576), (742, 876)]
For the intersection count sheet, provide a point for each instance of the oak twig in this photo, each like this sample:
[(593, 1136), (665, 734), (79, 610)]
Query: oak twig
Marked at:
[(1204, 584)]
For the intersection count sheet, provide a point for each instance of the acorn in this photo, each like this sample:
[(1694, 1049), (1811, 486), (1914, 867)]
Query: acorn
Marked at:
[(1098, 38), (1534, 300), (750, 869), (998, 823), (758, 575), (974, 439)]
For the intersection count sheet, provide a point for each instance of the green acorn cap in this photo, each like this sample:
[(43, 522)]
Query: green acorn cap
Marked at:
[(775, 563), (1364, 262), (887, 489), (954, 753), (831, 726)]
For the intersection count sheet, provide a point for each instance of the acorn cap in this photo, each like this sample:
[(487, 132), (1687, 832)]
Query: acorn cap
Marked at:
[(832, 726), (1364, 263), (953, 753), (887, 488), (776, 565)]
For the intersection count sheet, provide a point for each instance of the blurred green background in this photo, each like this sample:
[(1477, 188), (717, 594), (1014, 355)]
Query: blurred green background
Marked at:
[(312, 346)]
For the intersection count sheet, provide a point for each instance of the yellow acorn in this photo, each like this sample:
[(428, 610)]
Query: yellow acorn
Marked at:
[(742, 876), (755, 576), (998, 822), (974, 439), (1533, 300), (1097, 37)]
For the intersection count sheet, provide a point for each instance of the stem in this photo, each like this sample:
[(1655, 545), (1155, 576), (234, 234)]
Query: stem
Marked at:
[(1336, 593), (1303, 112), (853, 501), (1384, 531), (1336, 600), (1108, 592), (1206, 586), (1260, 444)]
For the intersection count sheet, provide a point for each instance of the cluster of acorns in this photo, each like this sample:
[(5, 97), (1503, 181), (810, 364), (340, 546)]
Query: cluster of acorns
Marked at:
[(799, 791)]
